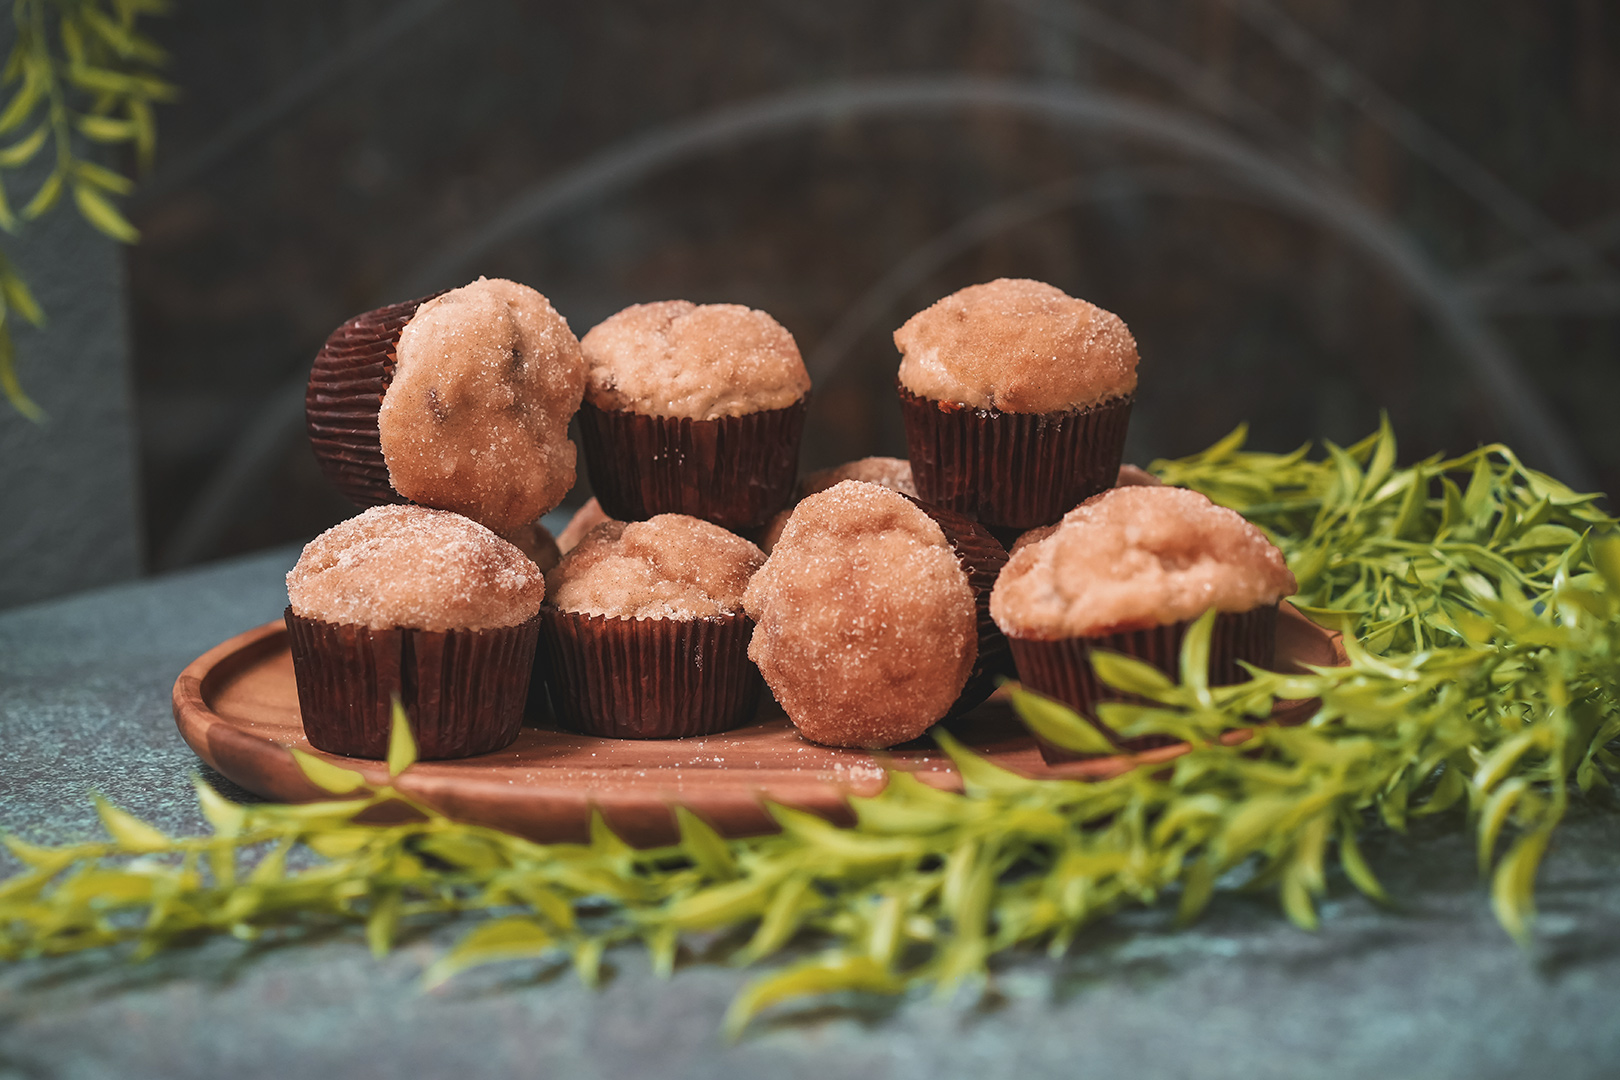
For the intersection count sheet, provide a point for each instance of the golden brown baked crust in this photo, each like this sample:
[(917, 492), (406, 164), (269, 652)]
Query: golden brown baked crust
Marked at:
[(668, 567), (1136, 557), (866, 627), (676, 358), (1019, 346), (408, 566), (476, 417)]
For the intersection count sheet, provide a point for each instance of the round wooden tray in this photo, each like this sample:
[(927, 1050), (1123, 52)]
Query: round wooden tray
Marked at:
[(237, 707)]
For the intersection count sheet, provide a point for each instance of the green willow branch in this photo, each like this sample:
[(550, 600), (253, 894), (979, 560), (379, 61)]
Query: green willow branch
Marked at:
[(1482, 602), (79, 72)]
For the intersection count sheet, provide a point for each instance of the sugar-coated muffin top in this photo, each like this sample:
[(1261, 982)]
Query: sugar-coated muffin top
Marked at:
[(408, 566), (1019, 346), (890, 472), (676, 358), (668, 567), (1135, 557), (866, 629), (476, 417)]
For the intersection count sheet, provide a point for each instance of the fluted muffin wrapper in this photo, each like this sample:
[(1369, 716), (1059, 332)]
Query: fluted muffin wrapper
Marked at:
[(735, 471), (1061, 668), (464, 690), (981, 557), (627, 678), (1012, 471), (346, 387)]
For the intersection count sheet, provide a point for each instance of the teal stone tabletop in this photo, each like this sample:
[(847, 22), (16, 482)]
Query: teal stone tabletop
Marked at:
[(1431, 987)]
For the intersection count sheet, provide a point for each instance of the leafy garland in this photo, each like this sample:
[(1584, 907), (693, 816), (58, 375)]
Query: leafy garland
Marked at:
[(78, 71), (1481, 604)]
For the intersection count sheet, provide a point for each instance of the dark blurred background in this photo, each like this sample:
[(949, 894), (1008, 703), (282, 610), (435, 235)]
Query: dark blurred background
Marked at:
[(1306, 210)]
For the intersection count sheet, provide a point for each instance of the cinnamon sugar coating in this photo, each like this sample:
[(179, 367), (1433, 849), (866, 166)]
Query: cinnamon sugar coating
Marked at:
[(586, 518), (1019, 346), (476, 417), (866, 629), (676, 358), (668, 567), (892, 473), (1136, 557), (408, 566), (889, 472)]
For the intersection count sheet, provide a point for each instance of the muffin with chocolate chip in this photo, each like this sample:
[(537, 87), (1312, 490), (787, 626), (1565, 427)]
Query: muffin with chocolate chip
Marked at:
[(693, 409), (872, 616), (1016, 398), (421, 604), (644, 634), (458, 402), (1128, 571)]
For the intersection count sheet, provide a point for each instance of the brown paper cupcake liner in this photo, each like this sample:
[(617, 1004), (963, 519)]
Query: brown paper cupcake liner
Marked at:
[(629, 678), (735, 471), (1012, 471), (346, 386), (1061, 669), (463, 690), (982, 558)]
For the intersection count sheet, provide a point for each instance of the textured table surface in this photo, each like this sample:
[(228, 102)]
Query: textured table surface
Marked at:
[(1431, 988)]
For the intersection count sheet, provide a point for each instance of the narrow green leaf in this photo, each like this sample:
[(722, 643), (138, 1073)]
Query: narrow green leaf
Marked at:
[(822, 975), (325, 775), (401, 742), (1060, 725), (102, 214), (131, 832), (513, 938)]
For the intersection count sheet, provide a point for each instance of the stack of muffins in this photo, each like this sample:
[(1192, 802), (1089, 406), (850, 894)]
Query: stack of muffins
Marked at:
[(875, 599)]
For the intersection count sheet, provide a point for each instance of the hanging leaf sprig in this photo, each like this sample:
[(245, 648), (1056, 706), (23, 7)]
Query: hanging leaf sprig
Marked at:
[(80, 72), (1482, 604)]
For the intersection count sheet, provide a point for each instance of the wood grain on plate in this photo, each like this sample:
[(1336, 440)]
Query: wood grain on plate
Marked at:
[(237, 707)]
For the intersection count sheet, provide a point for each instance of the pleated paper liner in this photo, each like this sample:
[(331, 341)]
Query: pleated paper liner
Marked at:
[(735, 471), (1061, 669), (625, 678), (981, 557), (346, 386), (463, 690), (1012, 471)]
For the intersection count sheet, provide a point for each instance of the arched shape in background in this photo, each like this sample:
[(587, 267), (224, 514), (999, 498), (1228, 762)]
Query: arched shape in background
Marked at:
[(1517, 404)]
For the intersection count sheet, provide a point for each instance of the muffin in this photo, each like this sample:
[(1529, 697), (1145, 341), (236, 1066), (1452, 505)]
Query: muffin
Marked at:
[(1016, 398), (423, 604), (889, 472), (693, 409), (643, 634), (458, 402), (1128, 571), (873, 618)]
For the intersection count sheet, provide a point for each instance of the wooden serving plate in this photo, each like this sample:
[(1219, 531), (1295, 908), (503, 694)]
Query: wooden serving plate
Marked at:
[(237, 707)]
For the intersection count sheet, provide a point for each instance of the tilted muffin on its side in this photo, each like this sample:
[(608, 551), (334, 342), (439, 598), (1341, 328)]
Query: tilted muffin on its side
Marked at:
[(424, 604), (1016, 398), (872, 616), (459, 402), (693, 409), (644, 632), (1127, 571)]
